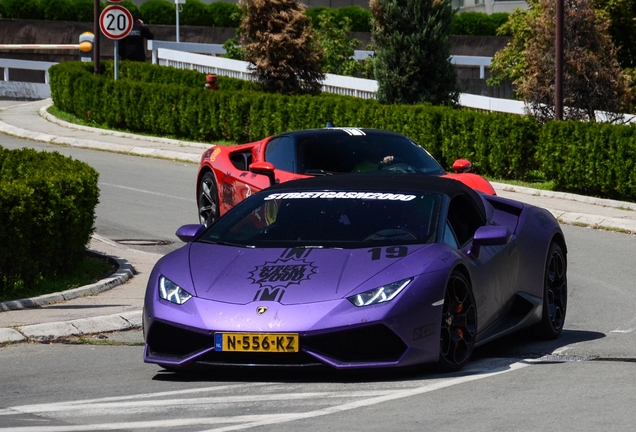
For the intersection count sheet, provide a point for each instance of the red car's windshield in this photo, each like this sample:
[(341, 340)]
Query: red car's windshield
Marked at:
[(319, 154)]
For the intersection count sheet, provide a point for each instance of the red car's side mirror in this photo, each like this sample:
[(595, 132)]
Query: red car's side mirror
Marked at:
[(264, 168), (462, 166)]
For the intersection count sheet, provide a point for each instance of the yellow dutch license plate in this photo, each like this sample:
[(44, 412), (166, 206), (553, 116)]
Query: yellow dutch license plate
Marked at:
[(256, 342)]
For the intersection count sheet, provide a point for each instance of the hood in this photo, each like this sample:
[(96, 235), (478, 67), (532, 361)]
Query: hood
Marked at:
[(293, 276)]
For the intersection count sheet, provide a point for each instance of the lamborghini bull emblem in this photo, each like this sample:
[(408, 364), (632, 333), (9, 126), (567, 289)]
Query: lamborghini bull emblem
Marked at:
[(273, 278), (261, 310)]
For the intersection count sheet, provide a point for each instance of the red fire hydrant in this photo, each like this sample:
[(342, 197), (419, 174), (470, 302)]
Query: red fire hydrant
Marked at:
[(210, 82)]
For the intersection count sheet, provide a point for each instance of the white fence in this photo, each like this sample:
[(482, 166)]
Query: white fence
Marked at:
[(204, 58), (362, 88)]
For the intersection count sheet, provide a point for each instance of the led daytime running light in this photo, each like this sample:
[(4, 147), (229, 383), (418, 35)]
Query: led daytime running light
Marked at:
[(172, 292), (379, 295)]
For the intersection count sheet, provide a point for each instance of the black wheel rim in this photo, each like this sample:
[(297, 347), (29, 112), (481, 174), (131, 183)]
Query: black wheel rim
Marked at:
[(556, 291), (208, 205), (459, 318)]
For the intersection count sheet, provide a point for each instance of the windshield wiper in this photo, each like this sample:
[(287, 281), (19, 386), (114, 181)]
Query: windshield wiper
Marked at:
[(319, 172), (224, 243)]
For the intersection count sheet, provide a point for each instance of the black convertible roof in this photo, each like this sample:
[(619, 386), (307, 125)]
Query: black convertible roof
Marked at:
[(396, 183), (331, 131)]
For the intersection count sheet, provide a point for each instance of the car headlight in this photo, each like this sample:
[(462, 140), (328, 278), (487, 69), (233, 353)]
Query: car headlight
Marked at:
[(379, 295), (172, 292)]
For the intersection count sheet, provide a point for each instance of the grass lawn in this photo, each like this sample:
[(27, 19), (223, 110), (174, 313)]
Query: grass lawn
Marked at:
[(92, 269)]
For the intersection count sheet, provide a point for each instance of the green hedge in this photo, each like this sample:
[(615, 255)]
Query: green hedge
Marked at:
[(195, 12), (590, 158), (167, 101), (221, 14), (478, 23), (48, 210)]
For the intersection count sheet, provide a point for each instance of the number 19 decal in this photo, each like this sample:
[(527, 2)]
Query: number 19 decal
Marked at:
[(389, 252)]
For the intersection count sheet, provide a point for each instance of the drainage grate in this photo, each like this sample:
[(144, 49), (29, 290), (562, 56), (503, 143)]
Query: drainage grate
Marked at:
[(142, 242)]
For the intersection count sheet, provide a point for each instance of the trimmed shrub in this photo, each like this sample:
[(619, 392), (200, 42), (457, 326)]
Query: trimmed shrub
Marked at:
[(597, 159), (84, 10), (589, 158), (48, 209), (158, 12), (23, 9), (59, 10), (195, 13), (314, 12), (225, 14), (132, 8), (166, 101), (360, 18), (478, 23)]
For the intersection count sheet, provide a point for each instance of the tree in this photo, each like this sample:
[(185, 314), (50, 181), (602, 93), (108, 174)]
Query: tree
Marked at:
[(622, 15), (337, 47), (412, 51), (278, 41), (592, 80)]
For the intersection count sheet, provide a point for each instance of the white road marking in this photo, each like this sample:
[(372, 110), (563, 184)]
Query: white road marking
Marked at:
[(72, 404), (373, 401), (147, 192), (623, 330), (117, 406), (84, 408)]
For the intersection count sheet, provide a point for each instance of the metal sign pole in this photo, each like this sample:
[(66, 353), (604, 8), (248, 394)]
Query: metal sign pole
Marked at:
[(177, 8), (116, 60)]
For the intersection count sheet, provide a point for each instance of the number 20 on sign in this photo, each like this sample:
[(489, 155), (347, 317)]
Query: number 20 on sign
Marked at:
[(115, 22)]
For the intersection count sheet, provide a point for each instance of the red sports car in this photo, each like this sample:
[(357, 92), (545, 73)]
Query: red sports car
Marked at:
[(228, 175)]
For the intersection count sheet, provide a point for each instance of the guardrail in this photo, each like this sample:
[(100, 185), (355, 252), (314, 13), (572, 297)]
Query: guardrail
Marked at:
[(24, 90)]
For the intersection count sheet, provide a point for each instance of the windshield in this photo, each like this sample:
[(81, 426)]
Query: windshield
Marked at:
[(343, 219), (364, 153)]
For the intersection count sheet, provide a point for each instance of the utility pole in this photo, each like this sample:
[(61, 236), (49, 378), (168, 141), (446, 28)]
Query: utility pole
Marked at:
[(97, 32), (558, 79)]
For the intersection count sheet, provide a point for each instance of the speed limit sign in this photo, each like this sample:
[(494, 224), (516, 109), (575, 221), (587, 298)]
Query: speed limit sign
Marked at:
[(116, 22)]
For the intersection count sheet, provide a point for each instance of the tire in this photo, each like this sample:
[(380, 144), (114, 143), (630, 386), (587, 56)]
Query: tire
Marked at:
[(555, 295), (459, 324), (208, 200)]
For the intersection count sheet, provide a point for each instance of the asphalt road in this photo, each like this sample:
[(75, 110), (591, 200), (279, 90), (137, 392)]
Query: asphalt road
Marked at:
[(584, 381)]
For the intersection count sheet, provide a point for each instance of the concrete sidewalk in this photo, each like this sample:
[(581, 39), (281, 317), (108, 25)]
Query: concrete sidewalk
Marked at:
[(115, 303)]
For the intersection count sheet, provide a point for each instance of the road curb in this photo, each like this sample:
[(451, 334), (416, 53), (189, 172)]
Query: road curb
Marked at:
[(124, 272), (51, 118), (565, 196), (79, 327)]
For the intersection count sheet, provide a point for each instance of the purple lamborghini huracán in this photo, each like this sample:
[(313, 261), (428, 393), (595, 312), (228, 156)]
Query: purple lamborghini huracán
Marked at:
[(356, 271)]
